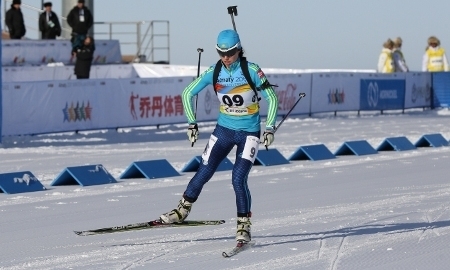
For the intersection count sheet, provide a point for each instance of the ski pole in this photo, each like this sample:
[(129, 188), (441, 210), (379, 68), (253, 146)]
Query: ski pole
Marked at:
[(232, 10), (301, 95), (199, 50)]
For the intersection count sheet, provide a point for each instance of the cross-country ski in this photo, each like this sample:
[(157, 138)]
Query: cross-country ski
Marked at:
[(149, 225)]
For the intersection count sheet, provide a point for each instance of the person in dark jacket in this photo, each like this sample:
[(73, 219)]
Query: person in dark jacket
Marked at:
[(80, 19), (14, 21), (49, 23), (84, 55)]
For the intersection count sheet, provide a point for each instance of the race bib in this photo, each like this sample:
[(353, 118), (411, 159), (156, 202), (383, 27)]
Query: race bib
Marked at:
[(251, 148), (239, 103)]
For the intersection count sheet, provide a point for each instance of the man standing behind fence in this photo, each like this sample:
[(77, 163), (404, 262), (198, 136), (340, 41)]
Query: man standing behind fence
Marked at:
[(80, 19), (14, 21), (49, 23)]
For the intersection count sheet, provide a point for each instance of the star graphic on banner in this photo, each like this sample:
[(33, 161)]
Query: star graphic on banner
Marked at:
[(77, 112), (72, 116), (88, 111), (66, 113), (82, 112)]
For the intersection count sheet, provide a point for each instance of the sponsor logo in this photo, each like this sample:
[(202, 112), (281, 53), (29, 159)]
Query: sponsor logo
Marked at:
[(286, 98), (420, 92), (237, 110), (210, 102), (161, 106), (78, 112), (336, 96), (372, 94), (388, 94), (382, 94), (26, 178)]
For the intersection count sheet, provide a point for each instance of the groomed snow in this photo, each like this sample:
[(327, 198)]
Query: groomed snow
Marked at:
[(390, 210)]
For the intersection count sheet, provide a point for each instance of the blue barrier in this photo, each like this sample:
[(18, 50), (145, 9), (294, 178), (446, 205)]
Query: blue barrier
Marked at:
[(88, 175), (434, 140), (312, 152), (441, 92), (397, 144), (270, 158), (19, 182), (358, 148), (194, 163), (149, 169)]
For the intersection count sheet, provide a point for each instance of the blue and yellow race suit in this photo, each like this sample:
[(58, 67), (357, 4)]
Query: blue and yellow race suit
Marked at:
[(238, 124)]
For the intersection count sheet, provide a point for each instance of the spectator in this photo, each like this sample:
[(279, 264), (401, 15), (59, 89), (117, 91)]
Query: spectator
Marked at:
[(14, 21), (49, 23), (399, 59), (385, 62), (434, 59), (80, 19), (84, 55)]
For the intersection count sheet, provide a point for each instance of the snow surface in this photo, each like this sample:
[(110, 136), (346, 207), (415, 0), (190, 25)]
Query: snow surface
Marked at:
[(390, 210)]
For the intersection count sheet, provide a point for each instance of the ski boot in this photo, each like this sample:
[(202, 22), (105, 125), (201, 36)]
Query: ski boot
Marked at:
[(177, 215), (243, 233)]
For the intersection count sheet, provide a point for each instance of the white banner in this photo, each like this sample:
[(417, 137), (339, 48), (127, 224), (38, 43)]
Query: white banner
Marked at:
[(46, 107), (335, 92), (68, 105), (418, 90)]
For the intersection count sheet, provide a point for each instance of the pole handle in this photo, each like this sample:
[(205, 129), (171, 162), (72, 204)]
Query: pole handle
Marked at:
[(232, 10), (301, 95)]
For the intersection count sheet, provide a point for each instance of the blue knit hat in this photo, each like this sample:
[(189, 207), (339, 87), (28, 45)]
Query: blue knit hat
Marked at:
[(228, 39)]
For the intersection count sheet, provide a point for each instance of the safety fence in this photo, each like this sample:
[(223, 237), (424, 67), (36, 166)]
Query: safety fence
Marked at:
[(75, 105)]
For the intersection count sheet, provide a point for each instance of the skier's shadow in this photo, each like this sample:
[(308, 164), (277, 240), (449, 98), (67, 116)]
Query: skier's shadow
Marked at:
[(394, 228)]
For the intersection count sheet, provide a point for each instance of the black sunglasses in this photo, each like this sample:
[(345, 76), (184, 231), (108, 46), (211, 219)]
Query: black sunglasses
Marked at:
[(227, 53)]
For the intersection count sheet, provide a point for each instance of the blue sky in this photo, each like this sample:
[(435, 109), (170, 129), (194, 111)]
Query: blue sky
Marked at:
[(308, 34)]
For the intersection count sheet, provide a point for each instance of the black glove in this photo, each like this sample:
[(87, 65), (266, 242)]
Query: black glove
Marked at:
[(192, 133), (268, 137)]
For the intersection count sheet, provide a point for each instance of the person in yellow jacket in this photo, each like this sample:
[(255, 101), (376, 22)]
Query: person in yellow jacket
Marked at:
[(434, 59), (385, 61)]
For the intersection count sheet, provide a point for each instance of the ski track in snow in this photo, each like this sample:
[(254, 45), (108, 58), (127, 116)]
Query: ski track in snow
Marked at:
[(395, 225), (140, 248)]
